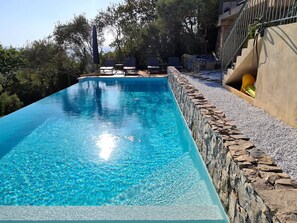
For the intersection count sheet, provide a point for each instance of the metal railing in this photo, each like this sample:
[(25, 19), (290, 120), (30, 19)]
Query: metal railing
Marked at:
[(256, 14)]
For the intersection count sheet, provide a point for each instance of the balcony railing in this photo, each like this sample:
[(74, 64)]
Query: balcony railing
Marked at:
[(256, 14)]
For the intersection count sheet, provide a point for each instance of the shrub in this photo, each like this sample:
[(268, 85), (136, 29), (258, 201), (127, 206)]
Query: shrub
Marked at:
[(9, 103)]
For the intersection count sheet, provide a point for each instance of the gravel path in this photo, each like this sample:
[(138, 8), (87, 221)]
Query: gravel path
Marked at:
[(273, 136)]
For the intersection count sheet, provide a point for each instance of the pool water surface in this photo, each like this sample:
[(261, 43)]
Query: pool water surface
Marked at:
[(103, 142)]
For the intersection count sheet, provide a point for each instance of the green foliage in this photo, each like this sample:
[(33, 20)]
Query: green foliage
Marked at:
[(75, 37), (44, 67), (253, 27), (10, 62), (252, 30), (48, 69), (9, 103), (160, 28), (34, 72), (110, 19), (187, 23), (131, 24)]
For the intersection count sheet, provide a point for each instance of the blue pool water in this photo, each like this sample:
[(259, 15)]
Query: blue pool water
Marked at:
[(103, 142)]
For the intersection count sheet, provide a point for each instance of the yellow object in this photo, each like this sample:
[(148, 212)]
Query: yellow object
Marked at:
[(247, 86)]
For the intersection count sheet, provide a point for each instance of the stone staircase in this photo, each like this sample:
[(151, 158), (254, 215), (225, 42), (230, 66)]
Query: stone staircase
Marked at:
[(247, 62)]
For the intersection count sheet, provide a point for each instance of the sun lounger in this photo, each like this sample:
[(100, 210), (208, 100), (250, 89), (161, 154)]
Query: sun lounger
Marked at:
[(130, 66), (174, 61), (153, 65), (108, 66)]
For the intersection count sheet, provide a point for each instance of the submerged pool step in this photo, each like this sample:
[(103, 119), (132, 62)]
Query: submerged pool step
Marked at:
[(178, 183), (198, 214), (179, 192)]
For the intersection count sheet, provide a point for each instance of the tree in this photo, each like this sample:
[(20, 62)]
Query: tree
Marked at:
[(189, 25), (75, 37), (48, 69), (181, 24), (10, 62), (95, 47), (9, 103), (127, 22), (110, 19), (160, 28), (209, 17), (27, 75), (137, 22)]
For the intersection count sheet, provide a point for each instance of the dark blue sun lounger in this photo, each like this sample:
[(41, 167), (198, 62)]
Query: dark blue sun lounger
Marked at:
[(108, 66), (130, 66), (153, 65), (174, 61)]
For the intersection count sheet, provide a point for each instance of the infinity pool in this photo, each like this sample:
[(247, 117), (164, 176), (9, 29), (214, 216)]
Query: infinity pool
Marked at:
[(106, 143)]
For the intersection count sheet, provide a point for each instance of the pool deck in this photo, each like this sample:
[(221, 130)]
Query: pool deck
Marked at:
[(274, 137), (140, 73)]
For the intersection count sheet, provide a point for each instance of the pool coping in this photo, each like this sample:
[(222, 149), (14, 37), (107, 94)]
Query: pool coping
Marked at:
[(249, 183)]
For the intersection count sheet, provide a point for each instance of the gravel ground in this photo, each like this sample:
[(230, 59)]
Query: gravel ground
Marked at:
[(273, 136)]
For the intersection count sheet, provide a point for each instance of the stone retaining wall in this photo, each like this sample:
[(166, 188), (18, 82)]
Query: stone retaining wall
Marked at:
[(250, 185)]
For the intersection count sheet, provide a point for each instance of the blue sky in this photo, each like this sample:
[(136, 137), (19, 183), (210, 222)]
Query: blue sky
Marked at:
[(23, 21)]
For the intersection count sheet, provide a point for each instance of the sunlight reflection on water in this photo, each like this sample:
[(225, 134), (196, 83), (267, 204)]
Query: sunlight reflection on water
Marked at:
[(106, 143)]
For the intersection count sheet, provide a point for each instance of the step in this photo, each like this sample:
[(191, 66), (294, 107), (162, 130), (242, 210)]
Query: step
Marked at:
[(178, 188), (250, 42), (36, 214), (244, 51), (239, 60), (229, 72), (167, 186)]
